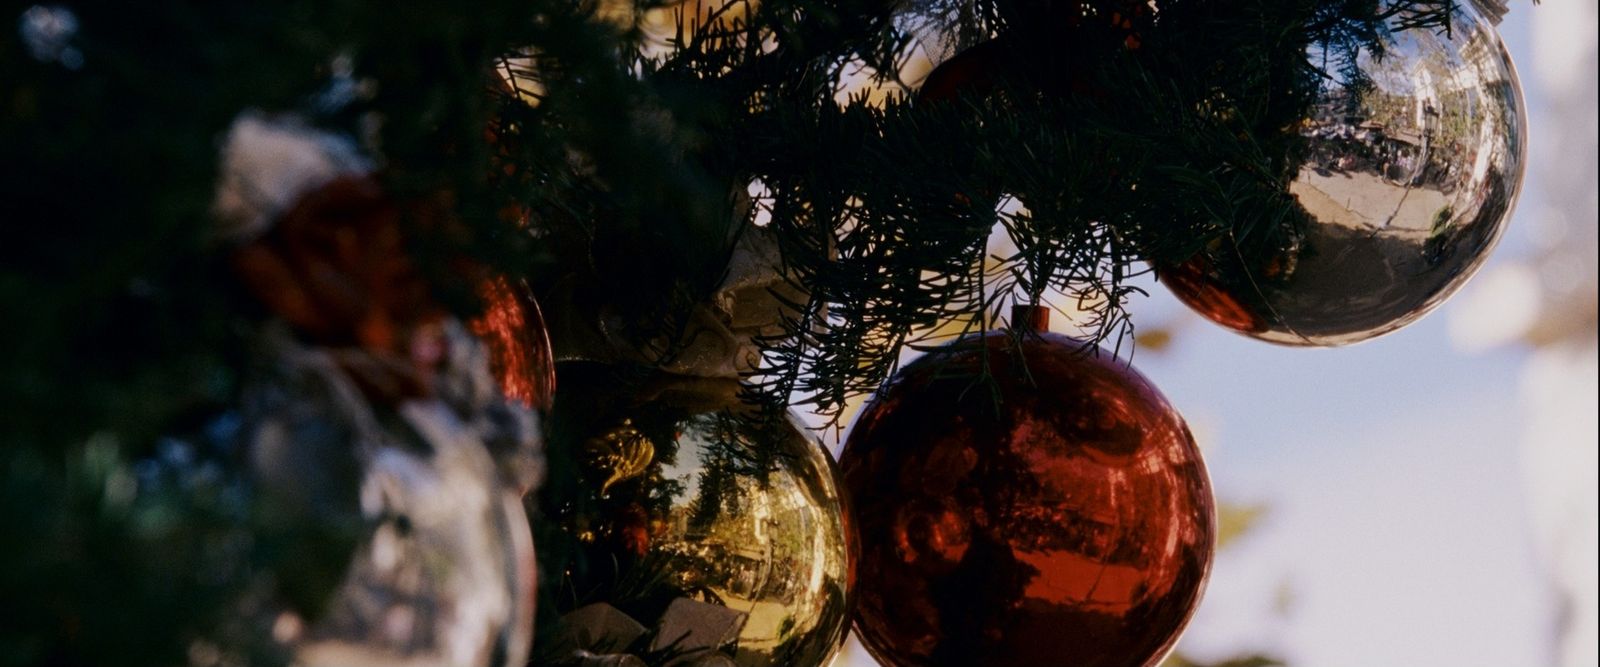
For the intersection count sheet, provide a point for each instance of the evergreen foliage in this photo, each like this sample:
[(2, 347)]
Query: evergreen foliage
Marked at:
[(627, 186)]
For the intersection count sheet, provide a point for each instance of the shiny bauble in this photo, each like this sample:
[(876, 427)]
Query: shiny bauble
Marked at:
[(970, 72), (1056, 513), (1405, 180), (513, 329), (685, 493), (439, 567), (444, 577)]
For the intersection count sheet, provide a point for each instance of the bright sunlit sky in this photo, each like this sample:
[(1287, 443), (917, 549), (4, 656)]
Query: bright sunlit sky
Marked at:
[(1398, 528)]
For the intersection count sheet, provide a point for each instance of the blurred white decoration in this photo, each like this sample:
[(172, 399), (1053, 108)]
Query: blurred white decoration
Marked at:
[(1549, 302), (1559, 393), (48, 31), (268, 163), (1502, 306), (444, 570)]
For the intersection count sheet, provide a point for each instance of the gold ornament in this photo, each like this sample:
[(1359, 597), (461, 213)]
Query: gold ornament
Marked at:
[(620, 454), (702, 500)]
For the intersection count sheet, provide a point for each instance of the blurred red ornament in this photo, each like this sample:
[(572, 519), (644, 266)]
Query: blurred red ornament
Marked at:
[(513, 329), (972, 71), (1064, 518), (1047, 44), (334, 267)]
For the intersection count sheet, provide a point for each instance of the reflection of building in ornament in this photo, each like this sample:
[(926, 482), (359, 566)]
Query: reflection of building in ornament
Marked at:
[(757, 535)]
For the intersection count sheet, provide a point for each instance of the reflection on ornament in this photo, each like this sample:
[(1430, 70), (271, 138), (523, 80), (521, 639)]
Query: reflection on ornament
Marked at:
[(619, 454), (1057, 513), (1190, 281), (702, 499), (1409, 167), (519, 346)]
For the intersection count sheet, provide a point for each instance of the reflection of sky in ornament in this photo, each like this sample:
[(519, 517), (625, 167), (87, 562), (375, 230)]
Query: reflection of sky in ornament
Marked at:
[(687, 469), (1442, 58)]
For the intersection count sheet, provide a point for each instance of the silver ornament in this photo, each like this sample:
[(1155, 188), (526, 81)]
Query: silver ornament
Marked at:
[(443, 573), (1412, 162)]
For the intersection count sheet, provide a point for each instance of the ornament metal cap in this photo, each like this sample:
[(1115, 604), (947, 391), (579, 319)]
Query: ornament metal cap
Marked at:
[(1033, 318)]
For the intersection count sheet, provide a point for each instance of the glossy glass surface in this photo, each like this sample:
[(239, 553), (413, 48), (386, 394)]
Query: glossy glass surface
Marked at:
[(444, 577), (697, 495), (1410, 174), (440, 564), (1066, 520), (513, 330)]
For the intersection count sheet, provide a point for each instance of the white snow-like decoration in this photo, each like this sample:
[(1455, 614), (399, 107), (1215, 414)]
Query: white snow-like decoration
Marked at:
[(268, 163)]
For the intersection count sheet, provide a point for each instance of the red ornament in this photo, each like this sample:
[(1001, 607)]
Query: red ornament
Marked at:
[(1060, 515), (971, 71), (519, 345), (1193, 284), (1047, 45)]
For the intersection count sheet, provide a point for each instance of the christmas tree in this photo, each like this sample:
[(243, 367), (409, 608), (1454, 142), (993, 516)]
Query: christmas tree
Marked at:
[(296, 290)]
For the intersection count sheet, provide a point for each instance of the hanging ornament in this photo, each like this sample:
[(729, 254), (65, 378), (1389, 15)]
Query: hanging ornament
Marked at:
[(1409, 166), (972, 71), (442, 572), (373, 416), (512, 326), (702, 530), (1055, 513), (1046, 43)]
